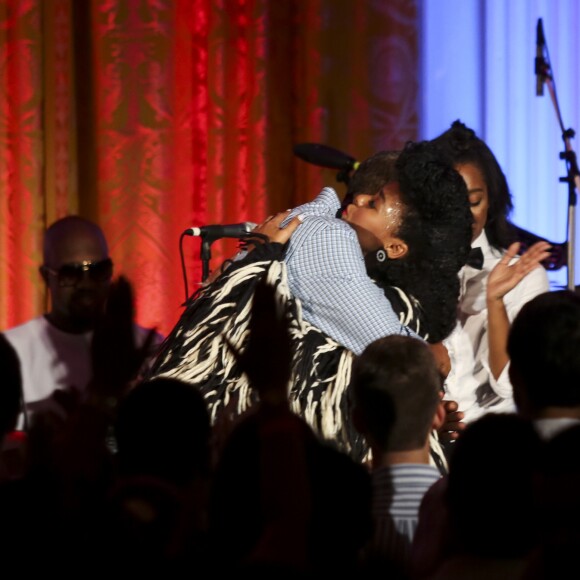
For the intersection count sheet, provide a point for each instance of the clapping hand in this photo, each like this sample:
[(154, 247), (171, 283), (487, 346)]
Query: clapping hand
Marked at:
[(505, 276)]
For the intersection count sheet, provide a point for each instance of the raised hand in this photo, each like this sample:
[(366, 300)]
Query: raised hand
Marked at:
[(116, 357), (267, 357), (505, 276)]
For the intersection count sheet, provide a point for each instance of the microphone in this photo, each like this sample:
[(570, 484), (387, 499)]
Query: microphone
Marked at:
[(539, 62), (212, 233), (325, 156)]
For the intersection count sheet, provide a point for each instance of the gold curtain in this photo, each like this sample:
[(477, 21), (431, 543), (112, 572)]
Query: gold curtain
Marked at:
[(151, 116)]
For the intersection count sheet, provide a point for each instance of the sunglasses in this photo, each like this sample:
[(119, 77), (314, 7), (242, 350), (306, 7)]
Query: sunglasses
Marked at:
[(69, 275)]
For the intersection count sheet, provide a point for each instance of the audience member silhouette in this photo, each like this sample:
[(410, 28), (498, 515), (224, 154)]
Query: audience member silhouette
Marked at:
[(156, 511), (11, 443), (487, 524), (558, 508), (544, 346)]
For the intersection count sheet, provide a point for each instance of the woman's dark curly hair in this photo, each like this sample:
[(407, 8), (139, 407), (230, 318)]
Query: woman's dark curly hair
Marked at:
[(461, 145), (437, 227)]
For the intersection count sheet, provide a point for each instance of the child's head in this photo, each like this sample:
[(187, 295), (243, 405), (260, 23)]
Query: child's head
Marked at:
[(395, 389)]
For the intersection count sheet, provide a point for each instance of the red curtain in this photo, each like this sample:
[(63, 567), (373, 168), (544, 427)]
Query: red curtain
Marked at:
[(151, 116)]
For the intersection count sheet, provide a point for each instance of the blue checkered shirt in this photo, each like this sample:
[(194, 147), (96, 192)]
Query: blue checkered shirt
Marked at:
[(326, 271)]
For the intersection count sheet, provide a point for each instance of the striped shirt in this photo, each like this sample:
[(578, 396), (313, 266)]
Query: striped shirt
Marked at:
[(397, 494), (327, 273)]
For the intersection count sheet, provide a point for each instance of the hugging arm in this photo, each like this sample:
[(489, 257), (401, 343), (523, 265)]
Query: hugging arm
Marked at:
[(270, 230), (336, 293)]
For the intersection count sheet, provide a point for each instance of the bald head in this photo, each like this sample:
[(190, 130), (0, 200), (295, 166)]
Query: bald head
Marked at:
[(73, 239), (78, 244)]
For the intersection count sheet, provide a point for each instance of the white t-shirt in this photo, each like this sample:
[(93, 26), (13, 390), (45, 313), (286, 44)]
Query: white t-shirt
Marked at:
[(51, 359), (470, 381)]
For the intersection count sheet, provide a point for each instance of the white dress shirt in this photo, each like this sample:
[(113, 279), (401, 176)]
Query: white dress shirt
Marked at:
[(470, 381)]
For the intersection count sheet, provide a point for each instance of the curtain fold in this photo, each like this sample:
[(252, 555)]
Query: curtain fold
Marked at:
[(22, 204)]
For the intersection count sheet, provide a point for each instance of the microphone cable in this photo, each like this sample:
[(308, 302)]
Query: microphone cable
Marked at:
[(183, 270)]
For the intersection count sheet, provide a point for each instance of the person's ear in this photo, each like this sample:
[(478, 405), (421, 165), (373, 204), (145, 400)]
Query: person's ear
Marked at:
[(439, 417), (396, 249)]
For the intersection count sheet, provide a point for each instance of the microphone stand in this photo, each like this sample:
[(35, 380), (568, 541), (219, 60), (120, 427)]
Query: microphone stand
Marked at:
[(573, 180), (573, 174), (205, 257)]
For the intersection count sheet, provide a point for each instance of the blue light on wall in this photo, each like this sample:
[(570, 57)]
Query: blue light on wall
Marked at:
[(478, 66)]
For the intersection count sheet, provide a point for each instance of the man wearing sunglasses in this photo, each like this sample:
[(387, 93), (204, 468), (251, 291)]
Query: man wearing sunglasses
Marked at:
[(55, 349)]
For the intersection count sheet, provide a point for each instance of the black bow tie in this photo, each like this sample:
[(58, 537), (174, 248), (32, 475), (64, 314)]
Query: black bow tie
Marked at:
[(475, 259)]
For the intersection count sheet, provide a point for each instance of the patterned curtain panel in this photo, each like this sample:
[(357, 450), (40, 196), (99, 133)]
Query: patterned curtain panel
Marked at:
[(152, 116)]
